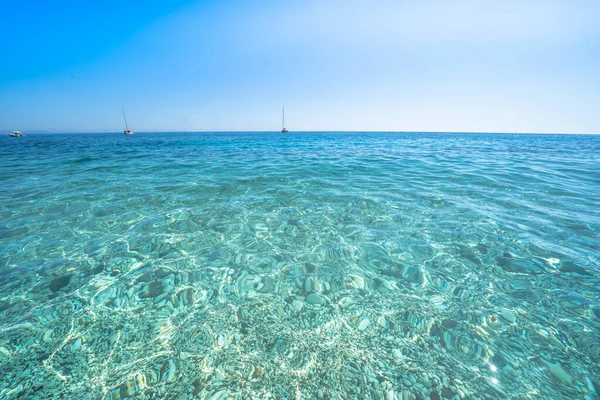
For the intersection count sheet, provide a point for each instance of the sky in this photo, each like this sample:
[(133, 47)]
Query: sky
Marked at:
[(230, 65)]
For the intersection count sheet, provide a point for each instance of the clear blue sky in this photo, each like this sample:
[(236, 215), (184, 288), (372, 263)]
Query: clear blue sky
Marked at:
[(418, 65)]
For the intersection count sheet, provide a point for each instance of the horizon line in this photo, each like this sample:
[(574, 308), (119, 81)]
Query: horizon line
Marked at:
[(42, 132)]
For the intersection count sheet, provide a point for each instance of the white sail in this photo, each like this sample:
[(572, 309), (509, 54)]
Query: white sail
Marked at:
[(283, 128), (127, 131)]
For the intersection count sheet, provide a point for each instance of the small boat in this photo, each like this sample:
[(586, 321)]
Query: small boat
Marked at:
[(127, 131), (283, 128), (15, 134)]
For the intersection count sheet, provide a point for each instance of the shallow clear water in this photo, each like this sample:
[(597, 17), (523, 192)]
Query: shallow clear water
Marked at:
[(311, 265)]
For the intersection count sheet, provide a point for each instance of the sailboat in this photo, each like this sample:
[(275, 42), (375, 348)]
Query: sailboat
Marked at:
[(127, 131), (283, 128)]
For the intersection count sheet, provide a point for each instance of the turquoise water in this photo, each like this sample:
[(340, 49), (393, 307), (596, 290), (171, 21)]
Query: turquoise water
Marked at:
[(310, 265)]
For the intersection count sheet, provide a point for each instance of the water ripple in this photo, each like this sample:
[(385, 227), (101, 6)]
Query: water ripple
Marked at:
[(307, 265)]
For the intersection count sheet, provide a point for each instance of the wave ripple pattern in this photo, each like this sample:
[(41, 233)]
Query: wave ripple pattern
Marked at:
[(306, 266)]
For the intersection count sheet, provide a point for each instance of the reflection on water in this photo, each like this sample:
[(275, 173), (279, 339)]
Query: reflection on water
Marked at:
[(328, 266)]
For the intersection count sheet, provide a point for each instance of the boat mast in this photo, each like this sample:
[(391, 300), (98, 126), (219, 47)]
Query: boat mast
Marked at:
[(124, 117), (283, 118)]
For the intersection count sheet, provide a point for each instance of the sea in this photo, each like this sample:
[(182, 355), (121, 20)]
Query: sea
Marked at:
[(310, 265)]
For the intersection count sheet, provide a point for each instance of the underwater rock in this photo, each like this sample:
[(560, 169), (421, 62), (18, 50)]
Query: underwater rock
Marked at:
[(346, 302), (314, 299), (520, 265), (47, 337), (356, 281), (590, 385), (494, 323), (435, 330), (558, 371), (145, 277), (447, 393), (482, 248), (162, 272), (312, 285), (297, 305), (155, 289), (414, 275), (449, 323), (5, 305), (307, 285), (438, 302), (219, 395), (426, 381), (508, 315), (267, 284), (256, 372), (570, 266), (406, 395), (58, 283), (364, 324), (467, 253), (170, 375)]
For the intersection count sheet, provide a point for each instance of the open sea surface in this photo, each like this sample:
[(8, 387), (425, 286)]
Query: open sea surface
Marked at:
[(301, 266)]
